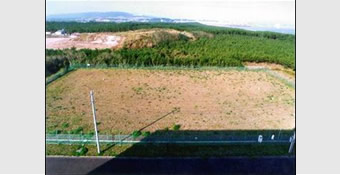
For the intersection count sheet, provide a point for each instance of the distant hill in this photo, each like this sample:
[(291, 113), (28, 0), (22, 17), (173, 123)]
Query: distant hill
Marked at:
[(76, 16), (105, 17), (122, 17)]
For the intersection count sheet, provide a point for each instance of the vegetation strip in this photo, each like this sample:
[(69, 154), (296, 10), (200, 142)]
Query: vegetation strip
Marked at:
[(170, 150), (127, 139)]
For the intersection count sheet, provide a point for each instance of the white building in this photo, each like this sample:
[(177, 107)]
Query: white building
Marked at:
[(60, 32)]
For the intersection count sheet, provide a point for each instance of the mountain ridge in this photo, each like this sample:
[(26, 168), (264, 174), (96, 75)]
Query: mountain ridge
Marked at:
[(112, 16)]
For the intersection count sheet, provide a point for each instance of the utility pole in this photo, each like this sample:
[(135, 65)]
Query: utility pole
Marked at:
[(94, 120), (292, 144)]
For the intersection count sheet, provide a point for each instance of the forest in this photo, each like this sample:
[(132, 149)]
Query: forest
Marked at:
[(227, 47)]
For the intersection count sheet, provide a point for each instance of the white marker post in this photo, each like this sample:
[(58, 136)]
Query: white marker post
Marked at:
[(260, 139), (94, 120), (292, 144)]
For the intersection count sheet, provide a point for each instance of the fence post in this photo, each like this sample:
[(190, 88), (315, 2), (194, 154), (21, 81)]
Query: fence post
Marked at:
[(120, 139), (81, 137), (56, 136), (292, 144), (279, 135)]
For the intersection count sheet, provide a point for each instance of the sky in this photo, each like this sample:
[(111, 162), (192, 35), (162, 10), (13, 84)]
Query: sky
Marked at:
[(275, 13)]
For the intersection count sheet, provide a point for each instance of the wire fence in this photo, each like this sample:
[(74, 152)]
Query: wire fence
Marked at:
[(180, 137)]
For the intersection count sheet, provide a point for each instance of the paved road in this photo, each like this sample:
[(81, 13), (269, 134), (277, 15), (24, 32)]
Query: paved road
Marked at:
[(231, 165)]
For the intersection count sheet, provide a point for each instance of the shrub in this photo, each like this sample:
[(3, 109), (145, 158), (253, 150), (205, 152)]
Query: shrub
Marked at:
[(81, 151), (147, 133), (77, 131), (65, 125), (55, 63), (57, 131), (176, 127), (136, 134)]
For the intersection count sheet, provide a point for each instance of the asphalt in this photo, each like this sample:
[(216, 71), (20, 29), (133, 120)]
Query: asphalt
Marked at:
[(229, 165)]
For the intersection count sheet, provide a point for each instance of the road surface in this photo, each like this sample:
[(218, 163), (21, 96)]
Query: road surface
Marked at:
[(230, 165)]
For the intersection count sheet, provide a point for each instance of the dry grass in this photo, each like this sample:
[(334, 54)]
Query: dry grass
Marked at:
[(130, 99)]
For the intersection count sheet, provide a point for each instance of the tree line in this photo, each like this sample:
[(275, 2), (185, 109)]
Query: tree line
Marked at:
[(72, 27)]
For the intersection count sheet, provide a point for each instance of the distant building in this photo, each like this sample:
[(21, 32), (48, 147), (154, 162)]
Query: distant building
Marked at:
[(60, 32), (48, 33)]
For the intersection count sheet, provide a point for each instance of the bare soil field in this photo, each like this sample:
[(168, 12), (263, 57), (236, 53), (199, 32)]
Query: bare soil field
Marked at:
[(82, 41), (131, 39), (134, 99)]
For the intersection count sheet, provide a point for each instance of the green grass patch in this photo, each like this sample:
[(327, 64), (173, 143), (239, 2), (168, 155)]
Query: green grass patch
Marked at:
[(77, 131), (81, 151), (65, 125), (145, 134), (176, 127), (57, 131), (136, 134)]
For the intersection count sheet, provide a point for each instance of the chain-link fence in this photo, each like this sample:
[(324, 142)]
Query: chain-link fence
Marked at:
[(180, 137)]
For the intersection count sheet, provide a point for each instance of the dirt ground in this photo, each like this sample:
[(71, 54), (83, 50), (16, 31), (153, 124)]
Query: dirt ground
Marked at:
[(133, 99), (132, 39), (82, 41)]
